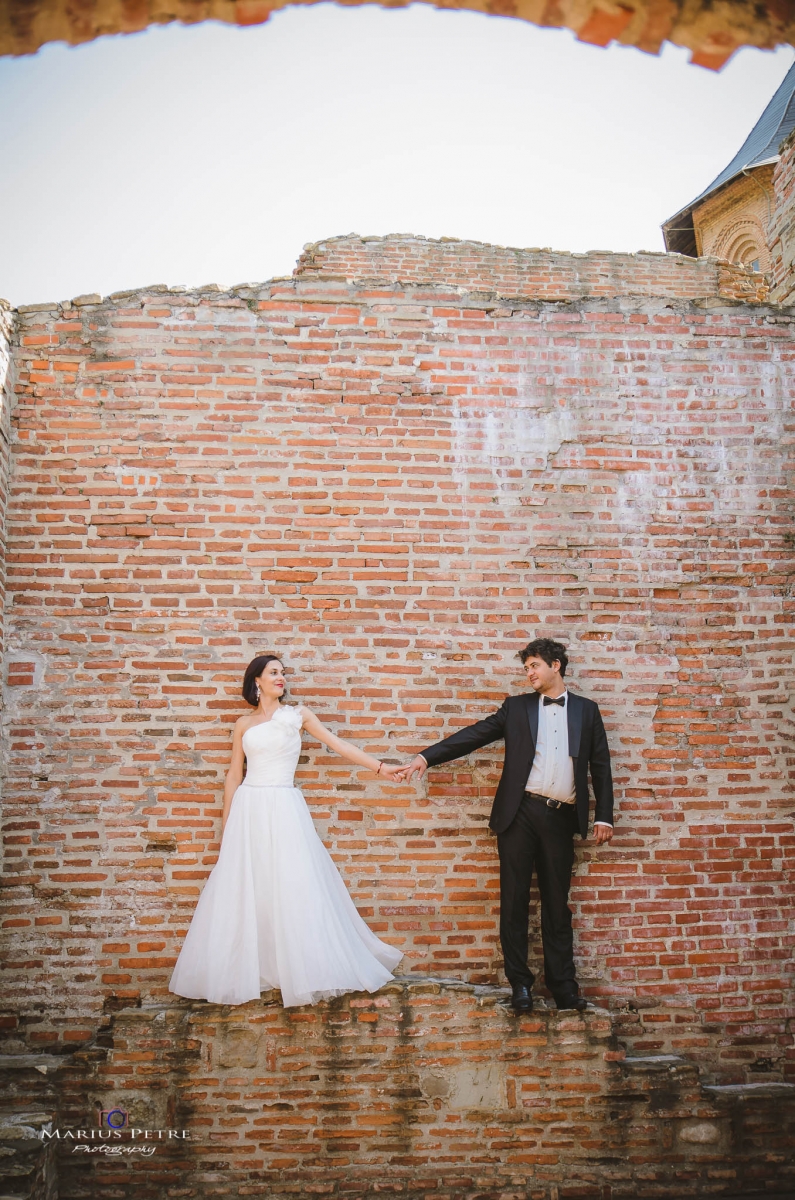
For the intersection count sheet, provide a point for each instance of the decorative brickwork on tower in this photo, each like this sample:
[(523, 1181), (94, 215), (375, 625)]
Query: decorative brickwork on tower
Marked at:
[(396, 468), (782, 231), (734, 224)]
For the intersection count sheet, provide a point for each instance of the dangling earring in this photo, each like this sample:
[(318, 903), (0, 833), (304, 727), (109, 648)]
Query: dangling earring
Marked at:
[(256, 685)]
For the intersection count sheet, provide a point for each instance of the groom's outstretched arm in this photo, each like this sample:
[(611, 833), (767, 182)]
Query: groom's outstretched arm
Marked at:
[(490, 729)]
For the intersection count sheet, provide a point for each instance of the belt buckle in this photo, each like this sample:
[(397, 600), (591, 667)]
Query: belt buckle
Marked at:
[(546, 799)]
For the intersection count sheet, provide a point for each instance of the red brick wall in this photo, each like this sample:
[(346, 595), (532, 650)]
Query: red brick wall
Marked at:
[(539, 274), (396, 486)]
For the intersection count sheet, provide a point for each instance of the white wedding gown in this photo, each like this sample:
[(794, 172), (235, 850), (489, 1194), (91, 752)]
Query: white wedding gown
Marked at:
[(274, 912)]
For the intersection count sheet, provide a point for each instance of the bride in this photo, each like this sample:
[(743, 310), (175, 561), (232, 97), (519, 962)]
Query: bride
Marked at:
[(274, 912)]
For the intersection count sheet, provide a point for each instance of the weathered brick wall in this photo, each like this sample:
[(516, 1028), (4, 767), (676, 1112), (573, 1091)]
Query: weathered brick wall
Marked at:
[(782, 226), (422, 1091), (396, 485), (537, 274)]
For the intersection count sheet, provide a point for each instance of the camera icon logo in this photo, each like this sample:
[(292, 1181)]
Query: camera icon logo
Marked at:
[(113, 1118)]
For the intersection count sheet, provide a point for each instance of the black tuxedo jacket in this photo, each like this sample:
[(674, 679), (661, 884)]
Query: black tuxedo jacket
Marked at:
[(517, 723)]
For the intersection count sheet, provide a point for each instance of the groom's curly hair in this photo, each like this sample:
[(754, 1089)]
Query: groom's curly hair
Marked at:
[(253, 672), (547, 649)]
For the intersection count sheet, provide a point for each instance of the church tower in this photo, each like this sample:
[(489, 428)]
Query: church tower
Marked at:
[(731, 219)]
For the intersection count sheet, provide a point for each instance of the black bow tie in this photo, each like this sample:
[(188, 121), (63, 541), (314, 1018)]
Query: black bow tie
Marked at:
[(561, 700)]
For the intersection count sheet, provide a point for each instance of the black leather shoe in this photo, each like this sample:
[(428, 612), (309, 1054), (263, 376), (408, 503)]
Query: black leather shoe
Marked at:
[(572, 1000), (521, 1000)]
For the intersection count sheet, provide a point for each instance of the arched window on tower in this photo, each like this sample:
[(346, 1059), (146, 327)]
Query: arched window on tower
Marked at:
[(745, 252)]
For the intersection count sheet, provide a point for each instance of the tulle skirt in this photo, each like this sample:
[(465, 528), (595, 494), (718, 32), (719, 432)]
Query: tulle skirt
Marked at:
[(275, 913)]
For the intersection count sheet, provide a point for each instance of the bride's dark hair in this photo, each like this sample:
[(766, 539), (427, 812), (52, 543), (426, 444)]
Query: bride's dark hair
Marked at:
[(253, 672)]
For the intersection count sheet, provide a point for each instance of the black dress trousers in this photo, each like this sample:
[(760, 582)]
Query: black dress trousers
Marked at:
[(541, 839)]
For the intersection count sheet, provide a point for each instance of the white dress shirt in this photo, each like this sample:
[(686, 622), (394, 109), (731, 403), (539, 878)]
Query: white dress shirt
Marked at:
[(552, 772)]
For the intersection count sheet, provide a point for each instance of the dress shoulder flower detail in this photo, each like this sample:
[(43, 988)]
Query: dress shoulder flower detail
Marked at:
[(292, 714)]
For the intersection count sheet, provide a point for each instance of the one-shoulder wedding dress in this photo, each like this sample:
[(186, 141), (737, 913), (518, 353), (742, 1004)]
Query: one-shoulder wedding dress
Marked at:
[(274, 912)]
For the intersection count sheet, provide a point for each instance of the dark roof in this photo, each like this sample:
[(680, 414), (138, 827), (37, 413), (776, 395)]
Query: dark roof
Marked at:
[(761, 146)]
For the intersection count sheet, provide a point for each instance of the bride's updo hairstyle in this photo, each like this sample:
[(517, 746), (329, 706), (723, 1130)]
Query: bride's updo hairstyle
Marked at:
[(253, 672)]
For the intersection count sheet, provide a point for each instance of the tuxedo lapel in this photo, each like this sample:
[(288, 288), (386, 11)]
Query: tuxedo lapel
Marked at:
[(574, 708), (532, 717)]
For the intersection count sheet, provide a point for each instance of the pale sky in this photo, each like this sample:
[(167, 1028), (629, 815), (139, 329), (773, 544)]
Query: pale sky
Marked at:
[(210, 154)]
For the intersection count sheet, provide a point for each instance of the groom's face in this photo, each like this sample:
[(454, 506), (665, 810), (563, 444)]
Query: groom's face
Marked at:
[(541, 677)]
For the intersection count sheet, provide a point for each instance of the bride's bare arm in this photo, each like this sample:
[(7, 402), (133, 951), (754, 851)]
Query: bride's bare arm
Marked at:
[(234, 776), (345, 749)]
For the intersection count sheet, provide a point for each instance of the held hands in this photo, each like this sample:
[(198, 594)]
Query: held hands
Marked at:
[(417, 766), (395, 774)]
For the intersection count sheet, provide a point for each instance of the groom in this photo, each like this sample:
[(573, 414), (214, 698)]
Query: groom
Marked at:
[(552, 736)]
